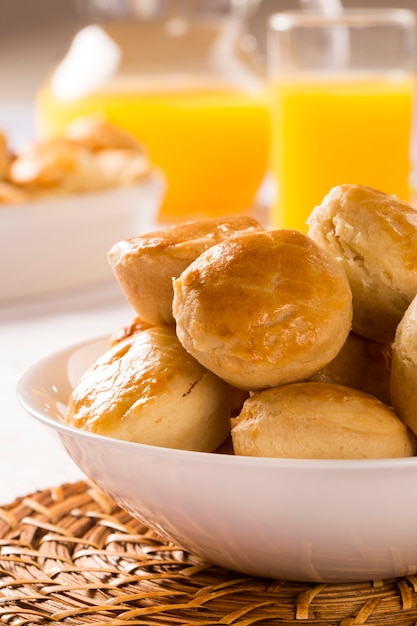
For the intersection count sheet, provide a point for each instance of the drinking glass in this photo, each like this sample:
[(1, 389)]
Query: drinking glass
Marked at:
[(342, 89)]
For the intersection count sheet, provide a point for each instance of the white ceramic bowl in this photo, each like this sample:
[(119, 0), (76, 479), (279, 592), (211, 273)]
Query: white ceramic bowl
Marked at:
[(61, 242), (331, 521)]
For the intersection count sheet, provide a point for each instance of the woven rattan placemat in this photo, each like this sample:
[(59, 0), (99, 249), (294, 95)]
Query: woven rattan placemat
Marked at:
[(69, 555)]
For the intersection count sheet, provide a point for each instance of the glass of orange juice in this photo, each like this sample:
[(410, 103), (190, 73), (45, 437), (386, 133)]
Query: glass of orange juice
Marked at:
[(185, 78), (342, 97)]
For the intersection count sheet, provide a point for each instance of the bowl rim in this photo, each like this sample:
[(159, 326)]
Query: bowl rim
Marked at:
[(26, 385), (75, 201)]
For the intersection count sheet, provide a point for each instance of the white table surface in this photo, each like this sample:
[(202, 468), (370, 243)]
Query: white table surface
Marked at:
[(31, 458)]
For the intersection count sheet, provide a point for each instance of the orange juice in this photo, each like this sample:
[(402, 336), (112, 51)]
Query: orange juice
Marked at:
[(212, 145), (330, 132)]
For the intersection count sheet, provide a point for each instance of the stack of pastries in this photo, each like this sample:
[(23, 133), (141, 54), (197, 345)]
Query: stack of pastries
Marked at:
[(268, 343), (91, 154)]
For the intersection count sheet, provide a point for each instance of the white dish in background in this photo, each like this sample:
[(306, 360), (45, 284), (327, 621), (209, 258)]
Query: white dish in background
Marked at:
[(331, 521), (61, 242)]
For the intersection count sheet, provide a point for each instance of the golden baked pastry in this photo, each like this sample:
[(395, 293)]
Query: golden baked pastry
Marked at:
[(264, 309), (404, 368), (320, 421), (92, 154), (96, 133), (374, 236), (144, 266), (64, 166), (55, 164), (147, 389), (115, 168), (135, 326), (361, 364)]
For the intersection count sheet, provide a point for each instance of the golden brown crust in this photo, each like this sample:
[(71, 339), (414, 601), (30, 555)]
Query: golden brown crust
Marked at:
[(263, 309), (361, 364), (135, 326), (96, 133), (91, 154), (145, 266), (404, 368), (320, 421), (115, 168), (52, 164), (62, 165), (374, 236), (147, 389)]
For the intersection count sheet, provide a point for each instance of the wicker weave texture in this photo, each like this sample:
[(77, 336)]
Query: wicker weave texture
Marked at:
[(69, 555)]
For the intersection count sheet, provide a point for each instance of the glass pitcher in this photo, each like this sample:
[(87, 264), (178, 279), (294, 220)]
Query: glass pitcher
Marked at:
[(185, 78)]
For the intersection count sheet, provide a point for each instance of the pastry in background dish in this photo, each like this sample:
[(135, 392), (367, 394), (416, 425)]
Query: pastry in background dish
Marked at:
[(62, 166), (373, 235), (116, 168), (148, 389), (264, 309), (144, 266), (56, 164), (361, 364), (92, 154), (404, 368), (95, 133), (320, 421)]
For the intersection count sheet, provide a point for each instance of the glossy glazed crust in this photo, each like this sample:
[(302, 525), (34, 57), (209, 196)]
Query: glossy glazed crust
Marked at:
[(147, 389), (374, 236), (404, 367), (320, 421), (144, 266), (264, 309)]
